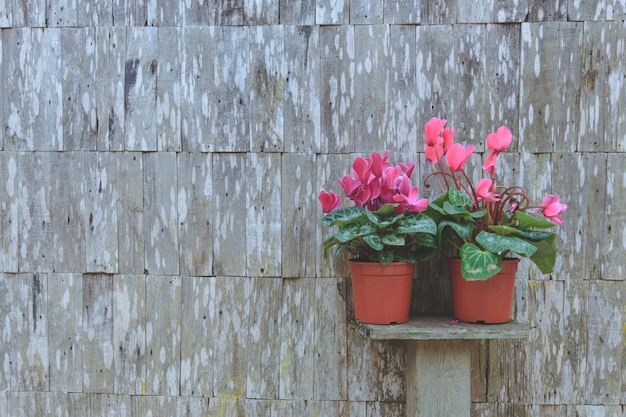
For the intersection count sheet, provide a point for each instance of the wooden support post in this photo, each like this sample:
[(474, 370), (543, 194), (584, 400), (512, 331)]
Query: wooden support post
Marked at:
[(438, 378)]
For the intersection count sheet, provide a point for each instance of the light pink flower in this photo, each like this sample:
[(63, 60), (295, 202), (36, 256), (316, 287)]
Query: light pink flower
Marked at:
[(457, 155), (552, 208), (485, 190), (448, 139), (490, 163), (500, 139)]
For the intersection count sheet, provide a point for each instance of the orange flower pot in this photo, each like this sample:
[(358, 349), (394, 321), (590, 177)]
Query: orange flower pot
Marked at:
[(382, 293), (486, 301)]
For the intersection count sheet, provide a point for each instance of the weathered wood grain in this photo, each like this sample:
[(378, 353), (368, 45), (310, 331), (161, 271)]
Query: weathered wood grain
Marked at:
[(435, 74), (331, 371), (47, 99), (539, 10), (163, 332), (140, 89), (263, 12), (369, 12), (404, 128), (337, 90), (298, 205), (130, 212), (301, 114), (97, 334), (80, 128), (263, 343), (503, 76), (228, 12), (231, 318), (297, 12), (68, 221), (593, 172), (369, 109), (329, 12), (267, 88), (297, 360), (363, 380), (168, 81), (196, 70), (439, 12), (605, 352), (615, 239), (398, 12), (5, 16), (550, 60), (601, 83), (63, 13), (264, 214), (28, 14), (161, 216), (229, 210), (195, 215), (129, 296), (110, 88), (230, 93), (508, 374), (492, 11), (35, 212), (197, 352), (65, 312), (17, 72), (9, 210), (101, 213)]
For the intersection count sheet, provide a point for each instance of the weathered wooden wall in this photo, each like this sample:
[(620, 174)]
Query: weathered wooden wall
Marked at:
[(160, 239)]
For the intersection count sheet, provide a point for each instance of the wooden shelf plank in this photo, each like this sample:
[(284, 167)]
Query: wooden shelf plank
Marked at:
[(440, 328)]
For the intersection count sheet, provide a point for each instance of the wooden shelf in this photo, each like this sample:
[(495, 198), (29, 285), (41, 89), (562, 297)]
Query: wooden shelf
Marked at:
[(439, 360), (440, 328)]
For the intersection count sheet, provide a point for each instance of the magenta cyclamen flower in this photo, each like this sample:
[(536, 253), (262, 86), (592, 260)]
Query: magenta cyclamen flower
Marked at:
[(411, 202), (330, 201)]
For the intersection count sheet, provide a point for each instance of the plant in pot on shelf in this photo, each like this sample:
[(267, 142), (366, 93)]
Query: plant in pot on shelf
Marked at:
[(384, 231), (487, 226)]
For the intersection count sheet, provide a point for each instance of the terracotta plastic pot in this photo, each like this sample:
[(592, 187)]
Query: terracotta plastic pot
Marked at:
[(382, 293), (486, 301)]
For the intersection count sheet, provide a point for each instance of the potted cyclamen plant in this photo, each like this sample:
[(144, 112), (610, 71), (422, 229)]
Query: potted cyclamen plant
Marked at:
[(484, 224), (383, 231)]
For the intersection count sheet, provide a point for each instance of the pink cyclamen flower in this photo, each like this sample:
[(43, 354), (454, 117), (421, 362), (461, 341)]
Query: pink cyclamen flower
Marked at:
[(448, 139), (500, 139), (490, 163), (433, 139), (457, 155), (410, 202), (485, 190), (330, 201), (552, 208)]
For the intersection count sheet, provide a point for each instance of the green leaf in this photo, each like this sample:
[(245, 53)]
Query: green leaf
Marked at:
[(344, 216), (385, 257), (352, 231), (464, 230), (526, 221), (425, 240), (458, 198), (416, 223), (499, 244), (374, 241), (375, 218), (385, 210), (454, 210), (478, 213), (478, 265), (503, 230), (393, 240), (545, 257)]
